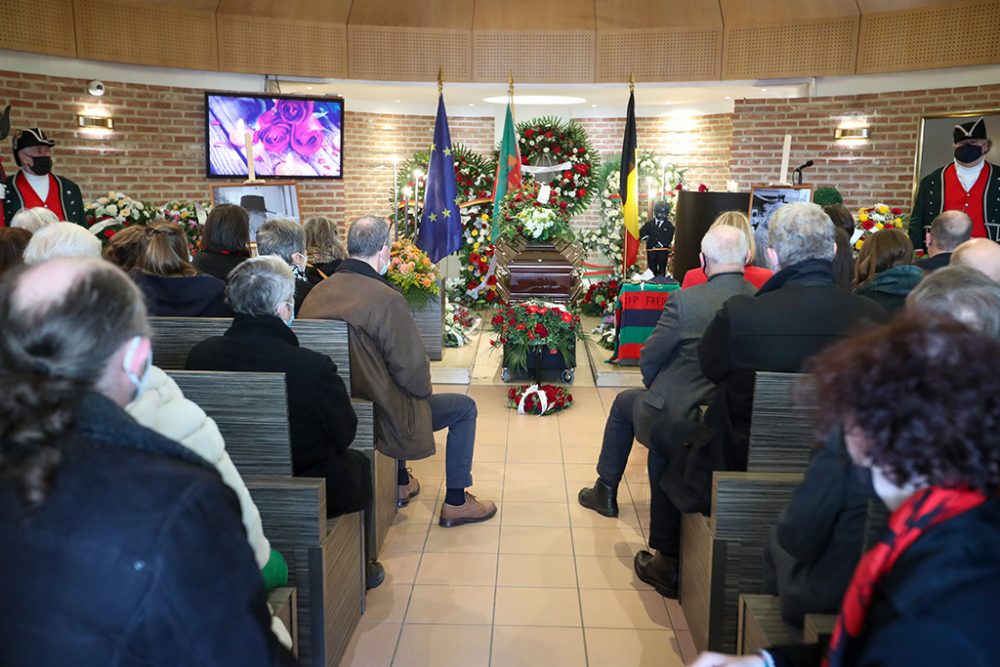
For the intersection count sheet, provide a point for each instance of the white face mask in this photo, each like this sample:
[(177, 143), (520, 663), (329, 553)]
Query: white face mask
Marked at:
[(139, 383), (291, 314), (385, 267)]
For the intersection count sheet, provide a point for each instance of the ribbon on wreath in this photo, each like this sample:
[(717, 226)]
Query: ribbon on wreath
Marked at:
[(542, 398)]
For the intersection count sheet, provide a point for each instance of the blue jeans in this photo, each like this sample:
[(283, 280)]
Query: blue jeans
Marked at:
[(457, 413)]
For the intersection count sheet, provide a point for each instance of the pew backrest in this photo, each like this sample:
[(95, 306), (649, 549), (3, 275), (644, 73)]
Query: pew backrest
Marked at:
[(783, 425), (251, 411)]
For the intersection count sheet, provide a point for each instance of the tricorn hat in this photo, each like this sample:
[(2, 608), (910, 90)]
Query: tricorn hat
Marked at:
[(254, 204), (974, 129), (27, 138)]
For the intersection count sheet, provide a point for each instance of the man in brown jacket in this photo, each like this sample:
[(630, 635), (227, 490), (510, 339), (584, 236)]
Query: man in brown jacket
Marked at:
[(389, 367)]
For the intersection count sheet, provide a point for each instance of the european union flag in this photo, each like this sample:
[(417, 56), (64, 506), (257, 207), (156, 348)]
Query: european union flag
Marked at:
[(440, 232)]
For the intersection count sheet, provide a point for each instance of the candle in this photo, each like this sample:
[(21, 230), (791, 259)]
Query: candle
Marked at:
[(417, 208), (785, 154), (406, 205), (395, 193), (251, 174)]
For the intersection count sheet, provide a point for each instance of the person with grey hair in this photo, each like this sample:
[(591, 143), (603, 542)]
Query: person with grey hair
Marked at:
[(33, 219), (322, 423), (135, 539), (61, 239), (284, 238), (389, 367), (947, 231), (961, 293), (674, 388)]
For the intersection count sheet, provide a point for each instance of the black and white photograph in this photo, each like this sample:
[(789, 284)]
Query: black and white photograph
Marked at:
[(265, 201), (764, 201)]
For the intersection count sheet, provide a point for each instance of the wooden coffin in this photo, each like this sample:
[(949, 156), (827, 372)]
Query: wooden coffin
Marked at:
[(542, 271)]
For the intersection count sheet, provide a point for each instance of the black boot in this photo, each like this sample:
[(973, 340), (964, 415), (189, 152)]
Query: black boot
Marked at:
[(659, 571), (374, 574), (601, 498)]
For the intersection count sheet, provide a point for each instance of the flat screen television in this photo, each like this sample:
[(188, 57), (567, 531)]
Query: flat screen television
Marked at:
[(293, 137)]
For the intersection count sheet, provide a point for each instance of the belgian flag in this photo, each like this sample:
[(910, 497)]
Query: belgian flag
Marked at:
[(629, 188)]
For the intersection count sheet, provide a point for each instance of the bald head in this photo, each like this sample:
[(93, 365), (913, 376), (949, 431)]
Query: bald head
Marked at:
[(45, 285), (948, 231), (724, 249), (366, 237), (980, 254)]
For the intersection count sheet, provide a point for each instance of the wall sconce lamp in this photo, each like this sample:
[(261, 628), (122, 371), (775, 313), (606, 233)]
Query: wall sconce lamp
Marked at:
[(851, 133), (100, 123)]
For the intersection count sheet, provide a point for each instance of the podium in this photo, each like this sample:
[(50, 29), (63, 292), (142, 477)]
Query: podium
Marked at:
[(544, 271), (694, 214)]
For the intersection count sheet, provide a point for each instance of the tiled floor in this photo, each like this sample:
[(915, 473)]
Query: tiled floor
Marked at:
[(543, 583)]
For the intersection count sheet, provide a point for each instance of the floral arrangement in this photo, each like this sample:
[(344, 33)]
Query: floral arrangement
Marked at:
[(873, 219), (654, 174), (537, 326), (459, 325), (554, 141), (539, 400), (605, 332), (189, 215), (411, 270), (600, 296), (523, 215), (475, 287), (108, 215)]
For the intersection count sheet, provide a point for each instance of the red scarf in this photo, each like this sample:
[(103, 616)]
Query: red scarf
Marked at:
[(924, 509)]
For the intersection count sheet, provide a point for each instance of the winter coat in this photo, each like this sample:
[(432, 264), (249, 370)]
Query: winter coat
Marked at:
[(889, 288), (217, 264), (137, 557), (389, 364), (163, 408), (938, 261), (182, 296)]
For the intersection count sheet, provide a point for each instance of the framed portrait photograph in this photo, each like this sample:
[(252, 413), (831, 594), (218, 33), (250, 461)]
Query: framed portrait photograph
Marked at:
[(764, 201), (935, 147), (263, 201)]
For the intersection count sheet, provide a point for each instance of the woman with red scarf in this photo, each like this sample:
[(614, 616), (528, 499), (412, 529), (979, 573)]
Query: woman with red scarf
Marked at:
[(919, 400)]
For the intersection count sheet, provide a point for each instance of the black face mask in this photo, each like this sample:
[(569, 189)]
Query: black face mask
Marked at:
[(41, 165), (967, 153)]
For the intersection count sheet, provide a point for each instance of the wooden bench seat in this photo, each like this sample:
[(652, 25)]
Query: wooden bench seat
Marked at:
[(761, 624), (783, 426), (281, 603)]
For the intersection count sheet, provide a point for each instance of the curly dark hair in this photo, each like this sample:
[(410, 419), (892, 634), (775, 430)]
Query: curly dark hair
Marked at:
[(925, 391)]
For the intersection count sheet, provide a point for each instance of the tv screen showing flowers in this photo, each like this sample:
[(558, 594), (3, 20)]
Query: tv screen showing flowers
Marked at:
[(288, 136)]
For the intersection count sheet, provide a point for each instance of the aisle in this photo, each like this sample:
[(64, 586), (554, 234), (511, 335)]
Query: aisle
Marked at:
[(544, 583)]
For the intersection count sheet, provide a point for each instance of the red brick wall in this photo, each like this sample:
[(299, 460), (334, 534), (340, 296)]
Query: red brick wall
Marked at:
[(877, 170)]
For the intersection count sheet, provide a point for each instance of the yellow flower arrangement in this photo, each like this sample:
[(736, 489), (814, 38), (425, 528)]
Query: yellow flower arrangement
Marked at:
[(411, 270)]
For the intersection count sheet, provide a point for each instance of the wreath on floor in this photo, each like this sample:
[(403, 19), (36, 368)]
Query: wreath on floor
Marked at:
[(551, 141)]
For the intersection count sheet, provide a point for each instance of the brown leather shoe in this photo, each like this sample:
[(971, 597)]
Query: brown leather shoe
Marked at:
[(408, 492), (471, 511)]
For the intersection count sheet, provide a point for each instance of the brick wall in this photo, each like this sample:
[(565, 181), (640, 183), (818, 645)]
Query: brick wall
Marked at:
[(879, 169)]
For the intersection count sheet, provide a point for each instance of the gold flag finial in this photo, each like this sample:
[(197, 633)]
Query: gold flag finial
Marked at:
[(510, 84), (440, 81), (631, 82)]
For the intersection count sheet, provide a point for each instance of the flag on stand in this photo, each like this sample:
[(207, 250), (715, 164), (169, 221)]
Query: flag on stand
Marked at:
[(440, 232), (508, 171), (629, 187)]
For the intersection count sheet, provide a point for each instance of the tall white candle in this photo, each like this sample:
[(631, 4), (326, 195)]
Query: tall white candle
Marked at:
[(785, 154), (395, 195), (251, 172)]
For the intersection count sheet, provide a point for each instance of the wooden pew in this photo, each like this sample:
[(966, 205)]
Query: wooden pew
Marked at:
[(761, 624), (783, 427), (173, 338), (281, 603)]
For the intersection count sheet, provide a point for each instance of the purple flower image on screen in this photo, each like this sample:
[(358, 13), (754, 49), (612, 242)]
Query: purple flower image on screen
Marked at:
[(293, 137)]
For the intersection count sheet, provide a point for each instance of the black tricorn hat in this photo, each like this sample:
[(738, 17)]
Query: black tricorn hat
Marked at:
[(27, 138), (974, 129)]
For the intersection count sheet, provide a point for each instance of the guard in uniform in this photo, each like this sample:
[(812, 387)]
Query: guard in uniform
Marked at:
[(658, 234), (35, 185), (969, 184)]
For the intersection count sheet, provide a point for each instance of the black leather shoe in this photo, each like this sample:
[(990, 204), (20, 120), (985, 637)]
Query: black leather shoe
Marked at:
[(601, 498), (658, 571), (374, 574)]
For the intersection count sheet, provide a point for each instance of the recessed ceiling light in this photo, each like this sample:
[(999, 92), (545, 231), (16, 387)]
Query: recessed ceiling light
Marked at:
[(471, 104), (397, 101), (593, 106), (728, 97), (668, 103), (763, 90), (536, 99), (309, 87)]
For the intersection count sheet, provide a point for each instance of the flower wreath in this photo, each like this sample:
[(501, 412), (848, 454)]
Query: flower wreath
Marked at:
[(540, 400), (190, 216), (873, 219), (561, 142), (521, 214), (108, 215)]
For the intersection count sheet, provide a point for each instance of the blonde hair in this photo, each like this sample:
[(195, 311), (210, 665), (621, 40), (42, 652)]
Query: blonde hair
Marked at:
[(323, 242), (740, 222), (166, 253)]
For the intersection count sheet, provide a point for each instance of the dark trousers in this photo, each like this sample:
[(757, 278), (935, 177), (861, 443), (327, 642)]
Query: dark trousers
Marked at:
[(664, 518), (619, 432), (657, 261)]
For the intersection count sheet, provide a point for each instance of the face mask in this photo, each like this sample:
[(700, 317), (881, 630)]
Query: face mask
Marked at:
[(291, 309), (41, 164), (385, 268), (138, 382), (893, 496), (966, 153)]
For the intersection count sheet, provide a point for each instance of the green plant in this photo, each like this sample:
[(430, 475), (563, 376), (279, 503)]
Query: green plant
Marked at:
[(827, 196), (537, 326)]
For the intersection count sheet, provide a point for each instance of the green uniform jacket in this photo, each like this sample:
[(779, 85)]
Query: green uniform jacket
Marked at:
[(69, 196), (930, 203)]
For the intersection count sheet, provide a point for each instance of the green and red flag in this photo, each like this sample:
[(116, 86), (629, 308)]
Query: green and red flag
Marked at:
[(629, 188), (508, 171)]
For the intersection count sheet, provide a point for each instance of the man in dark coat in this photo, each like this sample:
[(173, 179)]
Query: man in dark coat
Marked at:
[(35, 184), (948, 231), (969, 184), (658, 234), (121, 546)]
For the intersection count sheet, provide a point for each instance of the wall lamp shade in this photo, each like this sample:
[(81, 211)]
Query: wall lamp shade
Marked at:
[(851, 133), (95, 122)]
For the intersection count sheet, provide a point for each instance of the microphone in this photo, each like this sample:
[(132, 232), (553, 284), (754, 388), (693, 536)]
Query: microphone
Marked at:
[(804, 166)]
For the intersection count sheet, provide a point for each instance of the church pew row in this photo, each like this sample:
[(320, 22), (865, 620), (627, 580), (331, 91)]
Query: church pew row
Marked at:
[(281, 603), (325, 563), (173, 338), (783, 426)]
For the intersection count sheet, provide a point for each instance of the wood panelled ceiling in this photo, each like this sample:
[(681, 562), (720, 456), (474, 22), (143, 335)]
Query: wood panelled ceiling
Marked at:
[(535, 40)]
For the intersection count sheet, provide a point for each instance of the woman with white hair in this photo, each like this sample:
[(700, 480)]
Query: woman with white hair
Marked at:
[(33, 219), (61, 239)]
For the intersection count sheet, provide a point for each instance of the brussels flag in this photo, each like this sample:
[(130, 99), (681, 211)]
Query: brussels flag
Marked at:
[(508, 171), (629, 188), (440, 231)]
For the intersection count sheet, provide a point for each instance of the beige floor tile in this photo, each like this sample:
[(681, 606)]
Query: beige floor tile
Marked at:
[(488, 470), (479, 538), (371, 645), (387, 603), (553, 515), (536, 571), (677, 618), (458, 569), (443, 646), (588, 439), (535, 540), (459, 605), (537, 606), (621, 541), (400, 567), (636, 648), (642, 511), (624, 609), (579, 472), (534, 491), (586, 518), (607, 572), (487, 453), (534, 451), (410, 537), (545, 472), (685, 646), (484, 489), (585, 455), (420, 512), (521, 646), (639, 491)]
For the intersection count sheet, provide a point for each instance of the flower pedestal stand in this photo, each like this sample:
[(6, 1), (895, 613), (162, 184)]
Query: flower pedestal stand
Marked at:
[(430, 324), (542, 366)]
